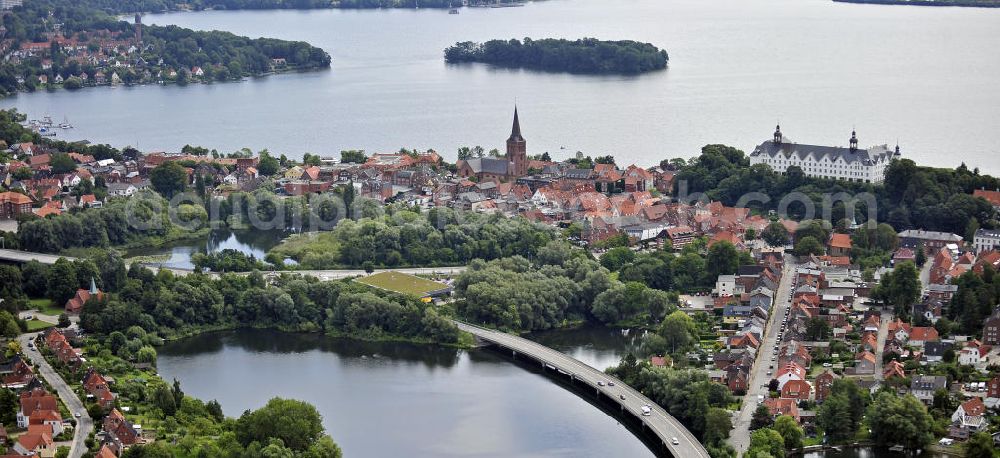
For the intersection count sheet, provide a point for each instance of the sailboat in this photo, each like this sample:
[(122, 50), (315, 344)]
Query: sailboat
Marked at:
[(65, 124)]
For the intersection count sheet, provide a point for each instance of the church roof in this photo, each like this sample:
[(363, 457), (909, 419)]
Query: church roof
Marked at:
[(489, 165), (515, 131)]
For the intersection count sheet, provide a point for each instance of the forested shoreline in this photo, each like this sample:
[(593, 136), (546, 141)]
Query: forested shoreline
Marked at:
[(585, 56), (85, 46)]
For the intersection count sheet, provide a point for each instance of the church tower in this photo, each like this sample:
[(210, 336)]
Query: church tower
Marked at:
[(777, 135), (138, 29), (517, 150), (854, 141)]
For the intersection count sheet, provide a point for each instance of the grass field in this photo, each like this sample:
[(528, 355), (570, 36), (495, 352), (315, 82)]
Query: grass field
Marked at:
[(46, 306), (38, 325), (402, 283)]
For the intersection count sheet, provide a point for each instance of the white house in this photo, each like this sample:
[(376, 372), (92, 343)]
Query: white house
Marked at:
[(986, 239), (970, 415), (972, 355), (849, 164), (725, 285), (791, 371), (121, 189)]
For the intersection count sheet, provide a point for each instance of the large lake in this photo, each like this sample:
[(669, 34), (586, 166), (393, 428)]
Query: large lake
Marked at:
[(927, 77), (392, 399)]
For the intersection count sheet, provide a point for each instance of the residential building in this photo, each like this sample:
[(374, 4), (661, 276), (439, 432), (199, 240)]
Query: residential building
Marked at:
[(75, 304), (13, 204), (970, 415), (932, 241), (850, 164), (824, 383), (986, 240), (991, 328), (923, 387)]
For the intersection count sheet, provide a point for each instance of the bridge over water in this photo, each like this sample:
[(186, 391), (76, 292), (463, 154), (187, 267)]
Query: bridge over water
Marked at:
[(663, 425)]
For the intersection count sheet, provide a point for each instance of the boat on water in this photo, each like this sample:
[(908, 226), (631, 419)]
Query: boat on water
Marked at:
[(65, 124), (453, 11)]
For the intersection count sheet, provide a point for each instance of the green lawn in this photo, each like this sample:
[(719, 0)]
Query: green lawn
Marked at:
[(38, 325), (46, 307), (401, 283)]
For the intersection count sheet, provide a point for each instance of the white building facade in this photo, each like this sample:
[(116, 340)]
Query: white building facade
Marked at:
[(986, 240), (849, 164)]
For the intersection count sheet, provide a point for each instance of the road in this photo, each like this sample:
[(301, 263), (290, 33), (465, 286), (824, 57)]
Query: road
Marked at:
[(883, 335), (84, 424), (739, 438), (334, 274), (666, 427)]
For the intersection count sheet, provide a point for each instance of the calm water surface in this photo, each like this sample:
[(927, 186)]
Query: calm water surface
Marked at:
[(924, 76), (178, 255), (391, 399)]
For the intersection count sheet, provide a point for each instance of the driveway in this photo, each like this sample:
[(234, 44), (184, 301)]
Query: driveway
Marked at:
[(84, 424)]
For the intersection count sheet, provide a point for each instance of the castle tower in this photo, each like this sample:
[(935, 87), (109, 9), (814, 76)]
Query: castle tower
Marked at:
[(517, 150), (777, 134), (138, 29), (854, 141)]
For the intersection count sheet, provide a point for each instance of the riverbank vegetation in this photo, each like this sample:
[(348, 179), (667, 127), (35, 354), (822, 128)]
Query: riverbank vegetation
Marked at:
[(161, 6), (68, 44), (911, 197), (969, 3), (400, 237), (182, 425), (687, 395), (588, 55)]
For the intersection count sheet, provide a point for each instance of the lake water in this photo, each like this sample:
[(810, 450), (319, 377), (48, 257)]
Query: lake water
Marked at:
[(926, 77), (178, 255), (392, 399)]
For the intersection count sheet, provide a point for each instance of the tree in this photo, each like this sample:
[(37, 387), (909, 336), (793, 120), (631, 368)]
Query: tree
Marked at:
[(679, 331), (64, 320), (215, 410), (921, 256), (723, 259), (616, 258), (830, 417), (356, 156), (761, 418), (62, 452), (980, 445), (62, 163), (298, 424), (164, 399), (900, 288), (62, 281), (168, 179), (267, 165), (817, 329), (8, 325), (900, 420), (766, 442), (790, 431), (808, 245), (718, 424), (775, 234)]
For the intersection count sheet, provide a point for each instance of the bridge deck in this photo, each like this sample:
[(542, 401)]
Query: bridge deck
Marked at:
[(659, 421)]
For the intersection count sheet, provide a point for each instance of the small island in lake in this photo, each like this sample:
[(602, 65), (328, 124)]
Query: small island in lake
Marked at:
[(968, 3), (587, 55)]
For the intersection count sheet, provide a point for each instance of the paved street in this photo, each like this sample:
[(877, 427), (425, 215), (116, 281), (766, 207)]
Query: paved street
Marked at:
[(84, 424), (740, 436), (883, 335)]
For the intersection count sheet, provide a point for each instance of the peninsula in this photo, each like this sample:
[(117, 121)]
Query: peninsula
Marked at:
[(53, 44), (586, 56)]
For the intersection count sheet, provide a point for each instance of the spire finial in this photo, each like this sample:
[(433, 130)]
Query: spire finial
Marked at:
[(515, 131)]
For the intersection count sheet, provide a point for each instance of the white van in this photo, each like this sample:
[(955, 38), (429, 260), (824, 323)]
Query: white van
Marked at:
[(646, 411)]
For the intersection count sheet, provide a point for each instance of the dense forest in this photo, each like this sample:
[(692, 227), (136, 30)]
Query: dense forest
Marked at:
[(588, 55), (159, 6), (221, 55), (178, 305), (401, 237), (911, 196)]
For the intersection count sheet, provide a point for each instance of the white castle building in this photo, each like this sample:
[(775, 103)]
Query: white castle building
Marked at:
[(851, 164)]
